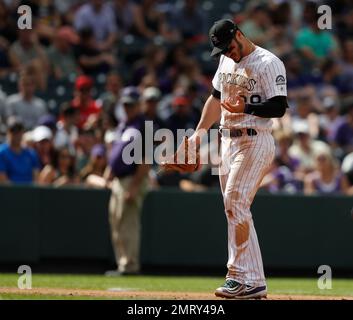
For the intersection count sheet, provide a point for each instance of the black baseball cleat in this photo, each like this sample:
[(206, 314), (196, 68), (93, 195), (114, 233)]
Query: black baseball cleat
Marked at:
[(231, 289), (252, 292), (235, 290)]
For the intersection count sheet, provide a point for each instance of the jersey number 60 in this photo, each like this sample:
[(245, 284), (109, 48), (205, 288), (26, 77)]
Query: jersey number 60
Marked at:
[(255, 98)]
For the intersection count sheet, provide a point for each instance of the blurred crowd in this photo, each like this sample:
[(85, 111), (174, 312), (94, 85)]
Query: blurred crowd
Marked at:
[(87, 68)]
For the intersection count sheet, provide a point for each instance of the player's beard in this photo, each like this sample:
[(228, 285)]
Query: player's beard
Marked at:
[(240, 50)]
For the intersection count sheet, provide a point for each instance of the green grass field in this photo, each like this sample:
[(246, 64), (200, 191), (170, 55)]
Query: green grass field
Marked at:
[(144, 284)]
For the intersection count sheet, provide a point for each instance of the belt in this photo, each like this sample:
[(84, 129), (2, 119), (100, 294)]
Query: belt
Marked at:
[(238, 132)]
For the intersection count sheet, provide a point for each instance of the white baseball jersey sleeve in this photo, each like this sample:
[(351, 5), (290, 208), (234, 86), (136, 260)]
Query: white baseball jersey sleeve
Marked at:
[(257, 77)]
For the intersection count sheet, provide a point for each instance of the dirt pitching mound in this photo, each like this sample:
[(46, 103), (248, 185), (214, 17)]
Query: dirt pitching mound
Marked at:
[(158, 295)]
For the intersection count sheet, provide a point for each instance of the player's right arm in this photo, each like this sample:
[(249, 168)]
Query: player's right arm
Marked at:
[(211, 113)]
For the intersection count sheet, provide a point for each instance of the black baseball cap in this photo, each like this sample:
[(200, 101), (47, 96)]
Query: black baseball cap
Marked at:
[(221, 34)]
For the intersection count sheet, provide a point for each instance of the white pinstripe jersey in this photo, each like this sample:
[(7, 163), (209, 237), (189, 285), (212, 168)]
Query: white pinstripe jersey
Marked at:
[(259, 76)]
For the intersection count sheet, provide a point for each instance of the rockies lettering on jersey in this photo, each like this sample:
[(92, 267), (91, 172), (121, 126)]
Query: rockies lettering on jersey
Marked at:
[(259, 76), (238, 79)]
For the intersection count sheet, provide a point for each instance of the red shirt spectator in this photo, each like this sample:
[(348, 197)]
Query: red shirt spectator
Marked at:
[(83, 100)]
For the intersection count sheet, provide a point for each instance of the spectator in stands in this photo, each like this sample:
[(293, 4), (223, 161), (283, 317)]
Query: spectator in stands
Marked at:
[(109, 138), (42, 138), (148, 80), (25, 104), (61, 54), (281, 14), (152, 62), (281, 43), (190, 21), (344, 24), (258, 26), (47, 20), (178, 60), (61, 171), (314, 44), (17, 164), (93, 173), (348, 52), (281, 179), (91, 59), (128, 187), (126, 16), (83, 100), (49, 121), (338, 74), (28, 51), (304, 114), (110, 97), (185, 72), (67, 130), (7, 25), (284, 142), (67, 9), (151, 22), (305, 149), (7, 36), (184, 115), (5, 65), (98, 16), (106, 125), (2, 114), (347, 169), (345, 78), (330, 119), (344, 134), (326, 177), (150, 99), (196, 90), (281, 176), (190, 72), (84, 144), (298, 77)]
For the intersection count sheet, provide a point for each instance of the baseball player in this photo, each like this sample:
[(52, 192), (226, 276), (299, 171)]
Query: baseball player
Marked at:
[(249, 88)]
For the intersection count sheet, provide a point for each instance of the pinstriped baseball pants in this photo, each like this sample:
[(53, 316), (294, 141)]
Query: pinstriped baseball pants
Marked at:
[(245, 161)]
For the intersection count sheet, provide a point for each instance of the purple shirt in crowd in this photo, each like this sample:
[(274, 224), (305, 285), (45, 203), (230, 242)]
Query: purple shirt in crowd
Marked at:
[(344, 134), (126, 133), (333, 187)]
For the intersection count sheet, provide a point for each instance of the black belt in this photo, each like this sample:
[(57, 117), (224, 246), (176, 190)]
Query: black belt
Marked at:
[(238, 132)]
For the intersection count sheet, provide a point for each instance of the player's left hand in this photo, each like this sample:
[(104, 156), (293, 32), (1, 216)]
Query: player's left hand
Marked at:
[(234, 105)]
